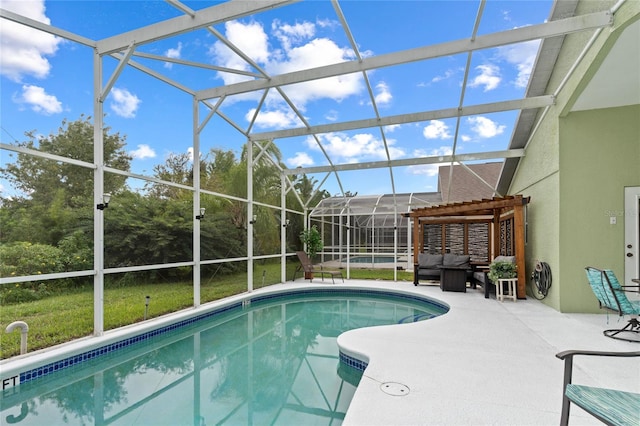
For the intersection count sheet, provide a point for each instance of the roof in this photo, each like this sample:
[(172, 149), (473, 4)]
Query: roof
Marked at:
[(245, 102), (468, 182)]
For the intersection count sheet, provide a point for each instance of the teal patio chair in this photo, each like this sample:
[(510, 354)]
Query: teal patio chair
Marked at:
[(610, 406), (611, 296)]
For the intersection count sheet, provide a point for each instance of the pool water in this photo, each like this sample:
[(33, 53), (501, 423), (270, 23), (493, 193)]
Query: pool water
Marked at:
[(275, 362), (369, 259)]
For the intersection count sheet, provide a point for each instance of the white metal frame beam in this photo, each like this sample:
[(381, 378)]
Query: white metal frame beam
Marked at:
[(46, 28), (515, 104), (518, 35), (479, 156), (182, 24)]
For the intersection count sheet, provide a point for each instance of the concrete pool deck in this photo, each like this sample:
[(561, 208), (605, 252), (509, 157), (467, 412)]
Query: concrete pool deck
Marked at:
[(484, 362)]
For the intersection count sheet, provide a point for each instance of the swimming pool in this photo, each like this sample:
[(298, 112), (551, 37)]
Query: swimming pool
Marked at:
[(371, 259), (269, 359)]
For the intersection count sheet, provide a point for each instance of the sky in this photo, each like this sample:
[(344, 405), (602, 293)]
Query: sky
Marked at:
[(45, 80)]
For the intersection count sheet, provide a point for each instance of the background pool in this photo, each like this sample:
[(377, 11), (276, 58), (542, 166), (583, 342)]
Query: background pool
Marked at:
[(371, 259), (276, 362)]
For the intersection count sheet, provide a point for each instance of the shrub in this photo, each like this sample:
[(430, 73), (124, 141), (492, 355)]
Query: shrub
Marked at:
[(77, 252), (499, 270), (24, 258), (312, 239)]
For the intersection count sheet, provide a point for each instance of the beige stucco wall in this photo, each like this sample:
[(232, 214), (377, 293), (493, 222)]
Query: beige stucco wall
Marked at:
[(575, 169)]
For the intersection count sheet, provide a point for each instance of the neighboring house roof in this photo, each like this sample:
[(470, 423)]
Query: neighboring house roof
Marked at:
[(468, 182)]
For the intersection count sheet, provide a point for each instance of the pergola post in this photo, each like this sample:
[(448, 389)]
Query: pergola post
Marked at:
[(416, 248), (518, 225), (497, 246)]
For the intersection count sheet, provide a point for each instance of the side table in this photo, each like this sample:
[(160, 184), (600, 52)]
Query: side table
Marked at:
[(510, 289), (453, 279)]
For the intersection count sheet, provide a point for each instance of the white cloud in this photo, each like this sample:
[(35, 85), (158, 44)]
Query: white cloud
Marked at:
[(484, 127), (23, 50), (384, 95), (124, 103), (39, 100), (522, 56), (430, 170), (300, 159), (342, 148), (249, 38), (447, 75), (144, 151), (436, 130), (289, 34), (316, 53), (273, 119), (331, 115), (173, 53), (392, 128), (489, 77), (297, 53), (465, 138)]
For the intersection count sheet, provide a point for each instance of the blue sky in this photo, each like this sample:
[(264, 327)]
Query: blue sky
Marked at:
[(46, 79)]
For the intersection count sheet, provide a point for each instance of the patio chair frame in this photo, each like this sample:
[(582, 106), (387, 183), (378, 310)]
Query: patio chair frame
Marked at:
[(308, 268), (611, 296)]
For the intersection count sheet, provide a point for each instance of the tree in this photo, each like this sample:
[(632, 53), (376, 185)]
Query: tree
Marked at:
[(41, 179), (55, 199), (177, 168)]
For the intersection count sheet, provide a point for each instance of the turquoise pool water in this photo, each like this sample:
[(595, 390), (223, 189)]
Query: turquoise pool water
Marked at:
[(274, 361), (368, 259)]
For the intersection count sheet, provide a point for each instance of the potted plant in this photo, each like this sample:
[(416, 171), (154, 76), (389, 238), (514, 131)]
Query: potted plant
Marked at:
[(499, 270), (312, 241)]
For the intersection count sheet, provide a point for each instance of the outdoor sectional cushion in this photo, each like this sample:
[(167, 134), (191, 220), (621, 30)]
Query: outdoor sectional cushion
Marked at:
[(456, 261), (430, 265), (511, 259), (429, 261)]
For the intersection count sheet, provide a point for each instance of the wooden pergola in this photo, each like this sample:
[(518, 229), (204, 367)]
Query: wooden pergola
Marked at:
[(504, 217)]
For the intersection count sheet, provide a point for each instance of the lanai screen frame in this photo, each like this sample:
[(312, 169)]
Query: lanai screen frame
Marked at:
[(352, 226), (122, 47)]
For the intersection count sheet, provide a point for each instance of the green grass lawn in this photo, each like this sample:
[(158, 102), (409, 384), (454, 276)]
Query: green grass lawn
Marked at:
[(64, 317)]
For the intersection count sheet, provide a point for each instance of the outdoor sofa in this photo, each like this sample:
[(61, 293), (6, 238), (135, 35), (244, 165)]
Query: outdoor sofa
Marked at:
[(430, 265)]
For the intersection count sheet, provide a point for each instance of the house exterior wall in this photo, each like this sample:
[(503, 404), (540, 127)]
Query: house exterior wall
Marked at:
[(575, 170), (602, 156)]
